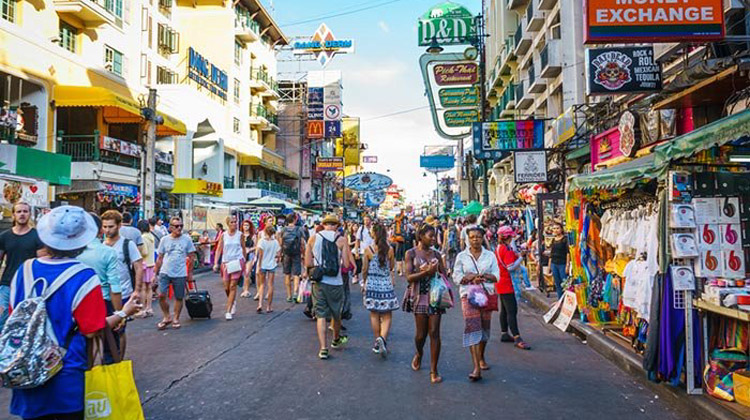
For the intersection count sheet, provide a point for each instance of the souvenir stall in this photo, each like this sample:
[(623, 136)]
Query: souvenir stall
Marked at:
[(660, 247)]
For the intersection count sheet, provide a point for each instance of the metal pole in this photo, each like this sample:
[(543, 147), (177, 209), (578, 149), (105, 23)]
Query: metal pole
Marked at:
[(148, 173), (437, 194), (483, 93)]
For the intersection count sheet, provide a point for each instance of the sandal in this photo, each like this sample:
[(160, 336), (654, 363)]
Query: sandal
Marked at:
[(522, 344), (176, 325), (323, 354), (245, 294), (475, 378), (484, 366), (435, 378), (416, 362), (269, 310), (259, 310), (506, 338), (161, 326)]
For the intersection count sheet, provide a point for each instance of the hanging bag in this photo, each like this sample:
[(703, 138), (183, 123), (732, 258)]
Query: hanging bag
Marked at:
[(110, 393), (492, 298)]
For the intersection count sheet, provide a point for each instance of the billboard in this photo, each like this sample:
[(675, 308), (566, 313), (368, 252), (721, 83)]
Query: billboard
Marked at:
[(449, 23), (639, 21), (323, 45), (437, 161), (491, 139), (616, 70)]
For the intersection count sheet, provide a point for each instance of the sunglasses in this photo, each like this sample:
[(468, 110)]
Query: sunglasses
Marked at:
[(177, 226)]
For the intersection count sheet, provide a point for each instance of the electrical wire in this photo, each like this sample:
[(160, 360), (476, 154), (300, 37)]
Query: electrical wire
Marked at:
[(339, 14), (392, 114)]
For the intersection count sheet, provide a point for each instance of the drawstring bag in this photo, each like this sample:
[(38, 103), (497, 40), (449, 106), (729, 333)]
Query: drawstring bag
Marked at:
[(441, 293)]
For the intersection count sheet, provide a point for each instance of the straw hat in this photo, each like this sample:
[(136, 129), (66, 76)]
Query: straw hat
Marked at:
[(66, 228), (331, 219), (432, 220)]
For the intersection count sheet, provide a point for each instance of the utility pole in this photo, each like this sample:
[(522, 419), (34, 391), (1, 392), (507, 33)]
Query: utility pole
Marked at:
[(483, 99), (148, 170)]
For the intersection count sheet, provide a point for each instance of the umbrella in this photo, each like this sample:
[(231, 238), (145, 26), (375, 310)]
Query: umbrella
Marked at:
[(472, 208)]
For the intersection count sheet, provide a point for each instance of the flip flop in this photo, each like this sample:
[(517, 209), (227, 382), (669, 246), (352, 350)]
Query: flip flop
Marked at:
[(176, 325), (416, 363), (161, 326), (259, 310)]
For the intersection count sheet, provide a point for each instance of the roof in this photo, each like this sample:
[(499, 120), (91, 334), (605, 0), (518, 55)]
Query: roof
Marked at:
[(267, 24)]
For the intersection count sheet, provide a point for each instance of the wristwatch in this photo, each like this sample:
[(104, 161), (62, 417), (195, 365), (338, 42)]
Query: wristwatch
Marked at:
[(121, 314)]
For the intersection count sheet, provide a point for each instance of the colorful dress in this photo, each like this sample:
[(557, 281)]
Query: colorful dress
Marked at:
[(379, 294)]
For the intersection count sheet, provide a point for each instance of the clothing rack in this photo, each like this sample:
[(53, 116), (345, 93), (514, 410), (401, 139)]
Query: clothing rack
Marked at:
[(628, 203)]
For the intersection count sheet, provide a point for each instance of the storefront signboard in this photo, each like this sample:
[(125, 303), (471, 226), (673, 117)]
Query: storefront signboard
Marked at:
[(461, 117), (323, 45), (437, 161), (315, 129), (329, 164), (564, 126), (332, 129), (206, 74), (367, 181), (617, 70), (459, 97), (492, 139), (315, 112), (631, 21), (530, 167), (35, 193), (605, 147), (461, 73), (125, 190), (448, 24), (119, 146)]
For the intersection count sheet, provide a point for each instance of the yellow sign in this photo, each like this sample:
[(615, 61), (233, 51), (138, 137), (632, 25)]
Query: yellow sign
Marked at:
[(564, 126), (350, 133), (197, 186)]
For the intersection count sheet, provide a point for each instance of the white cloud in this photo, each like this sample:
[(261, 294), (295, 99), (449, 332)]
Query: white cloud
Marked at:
[(384, 26)]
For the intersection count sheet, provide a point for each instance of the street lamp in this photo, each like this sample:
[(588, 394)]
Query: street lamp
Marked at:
[(434, 47)]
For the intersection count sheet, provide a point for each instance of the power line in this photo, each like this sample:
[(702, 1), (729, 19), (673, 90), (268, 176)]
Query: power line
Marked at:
[(338, 14), (405, 111)]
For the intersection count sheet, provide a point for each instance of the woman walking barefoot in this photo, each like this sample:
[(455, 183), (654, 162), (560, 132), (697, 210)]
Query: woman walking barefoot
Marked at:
[(268, 254), (422, 263), (377, 275), (231, 252), (248, 237), (476, 266)]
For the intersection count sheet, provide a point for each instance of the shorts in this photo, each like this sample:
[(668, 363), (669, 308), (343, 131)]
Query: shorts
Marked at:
[(148, 274), (292, 264), (267, 270), (236, 276), (400, 251), (178, 284), (329, 300)]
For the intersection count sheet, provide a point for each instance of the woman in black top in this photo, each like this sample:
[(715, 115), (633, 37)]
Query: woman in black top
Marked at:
[(559, 261)]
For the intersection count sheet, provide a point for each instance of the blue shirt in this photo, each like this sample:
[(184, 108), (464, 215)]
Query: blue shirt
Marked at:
[(64, 393), (103, 259)]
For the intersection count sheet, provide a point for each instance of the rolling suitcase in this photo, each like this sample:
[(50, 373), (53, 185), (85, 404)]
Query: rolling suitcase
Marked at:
[(198, 302)]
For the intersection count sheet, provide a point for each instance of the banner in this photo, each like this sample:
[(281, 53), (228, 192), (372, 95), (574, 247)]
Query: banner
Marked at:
[(620, 21), (120, 146), (491, 139), (329, 164), (530, 167), (616, 70), (34, 193)]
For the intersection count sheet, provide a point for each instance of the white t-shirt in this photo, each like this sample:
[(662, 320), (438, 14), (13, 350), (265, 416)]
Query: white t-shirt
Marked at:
[(270, 249), (365, 240), (232, 247), (127, 231), (124, 270), (318, 254)]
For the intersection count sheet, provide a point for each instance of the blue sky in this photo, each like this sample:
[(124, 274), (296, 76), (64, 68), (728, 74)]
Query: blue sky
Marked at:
[(381, 78)]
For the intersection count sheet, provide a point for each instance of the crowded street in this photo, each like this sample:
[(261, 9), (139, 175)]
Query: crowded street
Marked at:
[(363, 209)]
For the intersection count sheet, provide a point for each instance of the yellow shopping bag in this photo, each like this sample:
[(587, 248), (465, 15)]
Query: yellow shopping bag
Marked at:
[(111, 393)]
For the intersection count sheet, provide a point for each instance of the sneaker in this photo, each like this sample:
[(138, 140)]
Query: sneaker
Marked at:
[(376, 348), (530, 288), (323, 354), (234, 308), (228, 316), (289, 299), (381, 344), (340, 342)]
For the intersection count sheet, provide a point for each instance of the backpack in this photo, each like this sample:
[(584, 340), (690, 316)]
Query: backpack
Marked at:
[(128, 261), (329, 260), (453, 239), (291, 241), (30, 354)]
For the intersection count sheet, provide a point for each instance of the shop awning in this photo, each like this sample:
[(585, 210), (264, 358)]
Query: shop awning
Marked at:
[(620, 176), (125, 109), (197, 186), (717, 133), (271, 166), (273, 202)]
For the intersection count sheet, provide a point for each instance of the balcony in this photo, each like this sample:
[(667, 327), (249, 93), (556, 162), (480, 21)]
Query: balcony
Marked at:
[(261, 81), (228, 182), (524, 99), (547, 4), (92, 13), (516, 4), (536, 85), (273, 122), (550, 60), (534, 18), (508, 57), (523, 42), (246, 29), (258, 115), (508, 98)]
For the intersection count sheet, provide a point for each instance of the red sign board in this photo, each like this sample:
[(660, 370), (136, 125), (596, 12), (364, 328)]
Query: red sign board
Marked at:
[(315, 129), (605, 147), (462, 73), (632, 21)]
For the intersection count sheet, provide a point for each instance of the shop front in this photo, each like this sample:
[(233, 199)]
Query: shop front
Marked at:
[(659, 250)]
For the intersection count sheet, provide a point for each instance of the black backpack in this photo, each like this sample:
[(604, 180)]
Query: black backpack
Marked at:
[(128, 261), (291, 241), (329, 260)]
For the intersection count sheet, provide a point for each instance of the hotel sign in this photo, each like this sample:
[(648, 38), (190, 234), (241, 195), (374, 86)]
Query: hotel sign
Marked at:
[(323, 45), (449, 24), (207, 74)]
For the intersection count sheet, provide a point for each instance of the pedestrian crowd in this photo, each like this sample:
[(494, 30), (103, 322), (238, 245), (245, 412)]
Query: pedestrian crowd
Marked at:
[(95, 273)]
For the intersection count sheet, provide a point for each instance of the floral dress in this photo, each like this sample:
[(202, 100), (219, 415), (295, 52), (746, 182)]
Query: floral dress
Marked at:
[(379, 294)]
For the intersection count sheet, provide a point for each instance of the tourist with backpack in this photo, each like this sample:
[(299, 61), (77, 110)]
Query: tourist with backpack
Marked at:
[(328, 253), (71, 295), (130, 263), (17, 244), (292, 242)]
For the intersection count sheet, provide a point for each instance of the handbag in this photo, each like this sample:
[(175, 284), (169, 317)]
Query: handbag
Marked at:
[(492, 298), (233, 266), (110, 391), (441, 294)]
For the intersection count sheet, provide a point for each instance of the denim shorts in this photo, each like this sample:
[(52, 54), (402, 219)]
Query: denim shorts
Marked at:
[(178, 285)]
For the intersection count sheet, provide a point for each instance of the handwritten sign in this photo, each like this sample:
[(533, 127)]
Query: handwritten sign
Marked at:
[(460, 73)]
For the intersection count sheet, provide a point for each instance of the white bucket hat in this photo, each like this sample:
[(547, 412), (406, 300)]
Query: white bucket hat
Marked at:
[(66, 228)]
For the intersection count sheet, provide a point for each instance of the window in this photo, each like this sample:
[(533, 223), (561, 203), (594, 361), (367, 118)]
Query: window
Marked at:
[(68, 36), (113, 60), (114, 7), (169, 40), (236, 91), (237, 53), (165, 4), (164, 76), (8, 10), (236, 126)]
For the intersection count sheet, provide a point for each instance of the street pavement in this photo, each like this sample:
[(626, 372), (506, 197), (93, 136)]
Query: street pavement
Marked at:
[(265, 366)]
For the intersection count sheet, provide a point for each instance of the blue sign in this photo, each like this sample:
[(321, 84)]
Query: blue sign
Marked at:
[(367, 181), (315, 95), (437, 161), (333, 129), (315, 112), (207, 75), (374, 198)]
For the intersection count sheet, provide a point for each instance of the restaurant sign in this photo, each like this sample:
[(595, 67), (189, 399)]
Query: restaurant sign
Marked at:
[(617, 70), (448, 23), (459, 97), (463, 73), (450, 81)]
